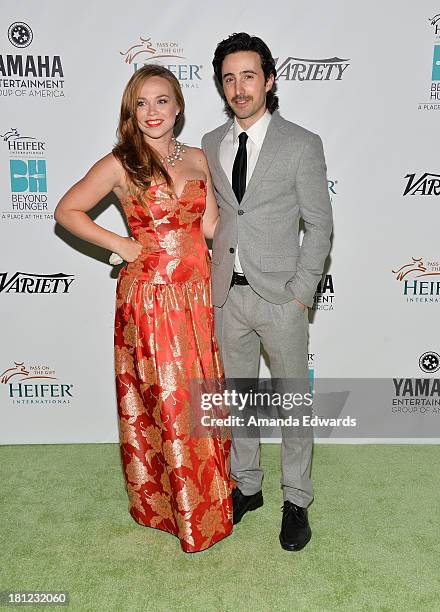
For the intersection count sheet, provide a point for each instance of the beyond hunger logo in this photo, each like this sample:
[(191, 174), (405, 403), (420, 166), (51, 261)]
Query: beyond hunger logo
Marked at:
[(167, 53), (426, 184), (300, 69), (434, 88), (23, 282), (33, 385), (414, 289), (39, 76), (27, 176)]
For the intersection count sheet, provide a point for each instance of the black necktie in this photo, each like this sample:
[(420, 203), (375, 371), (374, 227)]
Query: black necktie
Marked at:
[(239, 168)]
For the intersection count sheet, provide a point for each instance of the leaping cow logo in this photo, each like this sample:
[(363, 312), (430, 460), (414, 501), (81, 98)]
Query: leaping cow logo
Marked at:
[(416, 265), (14, 134), (19, 369)]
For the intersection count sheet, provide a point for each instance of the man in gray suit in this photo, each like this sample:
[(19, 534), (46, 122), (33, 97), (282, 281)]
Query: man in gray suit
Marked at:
[(268, 173)]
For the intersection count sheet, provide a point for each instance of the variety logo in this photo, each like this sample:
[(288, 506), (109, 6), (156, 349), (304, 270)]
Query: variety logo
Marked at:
[(429, 362), (39, 76), (167, 53), (414, 289), (434, 87), (27, 177), (325, 294), (299, 69), (21, 282), (426, 184), (20, 35), (36, 384)]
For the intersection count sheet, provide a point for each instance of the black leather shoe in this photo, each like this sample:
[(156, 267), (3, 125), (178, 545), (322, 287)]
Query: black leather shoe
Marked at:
[(295, 529), (244, 503)]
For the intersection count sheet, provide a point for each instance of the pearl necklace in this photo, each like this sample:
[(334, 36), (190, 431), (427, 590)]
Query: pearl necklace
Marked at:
[(176, 155)]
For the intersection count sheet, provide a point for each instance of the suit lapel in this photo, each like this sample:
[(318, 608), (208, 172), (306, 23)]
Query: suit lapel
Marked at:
[(230, 195), (271, 144)]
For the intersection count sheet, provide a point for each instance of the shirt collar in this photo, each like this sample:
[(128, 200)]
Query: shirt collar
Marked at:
[(256, 132)]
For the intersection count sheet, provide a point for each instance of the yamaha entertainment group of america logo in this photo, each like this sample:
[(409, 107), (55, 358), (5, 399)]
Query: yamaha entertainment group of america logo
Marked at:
[(433, 95), (419, 396), (167, 53), (34, 384), (325, 294), (33, 76), (26, 157)]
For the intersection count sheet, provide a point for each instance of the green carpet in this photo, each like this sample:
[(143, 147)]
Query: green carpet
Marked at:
[(375, 544)]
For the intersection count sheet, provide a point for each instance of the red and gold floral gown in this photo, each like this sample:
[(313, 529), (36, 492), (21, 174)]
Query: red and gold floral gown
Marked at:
[(176, 480)]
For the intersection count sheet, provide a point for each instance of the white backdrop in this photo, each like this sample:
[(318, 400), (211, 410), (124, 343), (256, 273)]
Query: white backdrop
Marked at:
[(378, 116)]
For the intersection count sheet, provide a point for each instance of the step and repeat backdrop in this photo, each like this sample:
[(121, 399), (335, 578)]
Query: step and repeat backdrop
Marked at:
[(367, 81)]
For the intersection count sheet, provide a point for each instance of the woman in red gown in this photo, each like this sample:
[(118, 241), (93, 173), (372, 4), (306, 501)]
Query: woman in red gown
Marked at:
[(177, 472)]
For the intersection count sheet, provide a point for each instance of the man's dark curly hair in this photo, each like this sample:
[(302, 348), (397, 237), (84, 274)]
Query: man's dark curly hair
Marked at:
[(245, 42)]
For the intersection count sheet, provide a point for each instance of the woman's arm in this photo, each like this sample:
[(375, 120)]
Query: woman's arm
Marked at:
[(211, 215), (71, 212)]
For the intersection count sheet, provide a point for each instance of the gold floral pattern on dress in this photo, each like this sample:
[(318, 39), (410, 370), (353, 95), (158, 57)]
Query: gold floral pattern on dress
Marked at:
[(177, 454), (177, 243), (176, 476), (137, 472), (170, 376), (147, 370), (130, 333), (160, 503), (153, 436), (188, 498), (134, 499), (131, 403), (182, 422), (211, 522), (124, 360), (128, 433)]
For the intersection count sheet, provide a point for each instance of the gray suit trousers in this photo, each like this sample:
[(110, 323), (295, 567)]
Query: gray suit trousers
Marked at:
[(244, 323)]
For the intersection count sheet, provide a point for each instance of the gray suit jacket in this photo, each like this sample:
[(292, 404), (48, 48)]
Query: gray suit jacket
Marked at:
[(289, 182)]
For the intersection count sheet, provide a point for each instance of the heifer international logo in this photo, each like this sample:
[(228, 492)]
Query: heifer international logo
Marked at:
[(414, 289), (300, 69), (22, 145), (426, 184), (167, 53), (22, 282), (36, 384), (435, 22)]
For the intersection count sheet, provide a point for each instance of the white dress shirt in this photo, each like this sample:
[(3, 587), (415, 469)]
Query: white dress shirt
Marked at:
[(228, 150)]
